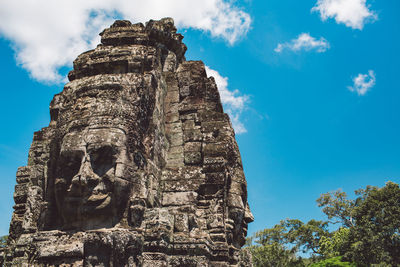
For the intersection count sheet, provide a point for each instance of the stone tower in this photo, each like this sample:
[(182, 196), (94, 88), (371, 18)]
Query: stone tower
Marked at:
[(138, 167)]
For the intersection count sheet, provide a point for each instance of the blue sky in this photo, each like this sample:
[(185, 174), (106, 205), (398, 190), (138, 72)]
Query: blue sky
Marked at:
[(312, 87)]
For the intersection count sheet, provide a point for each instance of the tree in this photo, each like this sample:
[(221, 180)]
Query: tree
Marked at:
[(332, 262), (373, 223), (274, 255), (278, 246), (336, 244), (376, 234), (337, 207), (3, 241), (271, 248), (306, 237), (369, 232)]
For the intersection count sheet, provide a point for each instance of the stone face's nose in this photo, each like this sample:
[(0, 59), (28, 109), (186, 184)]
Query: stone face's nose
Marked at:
[(248, 215), (84, 179)]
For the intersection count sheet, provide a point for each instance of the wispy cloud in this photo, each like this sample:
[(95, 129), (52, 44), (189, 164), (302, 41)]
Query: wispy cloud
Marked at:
[(352, 13), (362, 83), (233, 101), (48, 35), (304, 42)]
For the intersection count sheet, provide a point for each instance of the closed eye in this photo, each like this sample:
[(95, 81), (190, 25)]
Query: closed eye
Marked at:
[(69, 164), (102, 160)]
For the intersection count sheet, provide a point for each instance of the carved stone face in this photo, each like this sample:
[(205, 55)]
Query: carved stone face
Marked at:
[(239, 220), (239, 216), (91, 187)]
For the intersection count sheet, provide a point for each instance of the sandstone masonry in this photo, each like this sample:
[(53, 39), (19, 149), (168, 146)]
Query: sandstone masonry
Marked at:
[(138, 167)]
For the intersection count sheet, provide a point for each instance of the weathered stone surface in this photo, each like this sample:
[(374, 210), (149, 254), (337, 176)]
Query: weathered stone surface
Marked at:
[(138, 167)]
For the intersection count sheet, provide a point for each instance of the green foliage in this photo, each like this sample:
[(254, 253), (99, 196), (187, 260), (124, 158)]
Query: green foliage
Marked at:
[(369, 234), (336, 244), (274, 255), (270, 248), (337, 207), (376, 234), (278, 246), (332, 262), (3, 241), (307, 236)]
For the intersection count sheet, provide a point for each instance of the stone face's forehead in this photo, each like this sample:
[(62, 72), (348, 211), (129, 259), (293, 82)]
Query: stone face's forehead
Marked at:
[(90, 138), (112, 136), (73, 141)]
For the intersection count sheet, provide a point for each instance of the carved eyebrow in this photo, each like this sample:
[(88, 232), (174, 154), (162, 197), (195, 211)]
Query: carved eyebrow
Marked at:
[(72, 153), (93, 148)]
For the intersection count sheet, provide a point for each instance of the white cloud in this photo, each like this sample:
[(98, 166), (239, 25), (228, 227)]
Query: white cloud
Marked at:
[(48, 35), (304, 42), (363, 83), (234, 103), (352, 13)]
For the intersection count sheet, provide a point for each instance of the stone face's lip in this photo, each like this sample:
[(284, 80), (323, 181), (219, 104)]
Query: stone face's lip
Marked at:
[(94, 198), (244, 229), (98, 201)]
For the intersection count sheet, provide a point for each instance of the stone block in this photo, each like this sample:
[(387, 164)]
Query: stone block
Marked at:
[(192, 135), (192, 147), (179, 198), (215, 150), (193, 158)]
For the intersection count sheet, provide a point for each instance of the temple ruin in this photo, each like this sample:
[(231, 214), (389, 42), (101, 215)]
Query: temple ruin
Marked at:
[(138, 167)]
